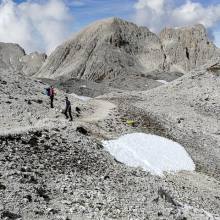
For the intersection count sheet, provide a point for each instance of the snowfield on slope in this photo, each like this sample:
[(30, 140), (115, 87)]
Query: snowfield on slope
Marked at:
[(153, 153), (162, 81), (82, 98)]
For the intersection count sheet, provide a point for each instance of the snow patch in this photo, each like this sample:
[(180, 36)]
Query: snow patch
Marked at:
[(153, 153), (83, 86), (162, 81), (82, 98)]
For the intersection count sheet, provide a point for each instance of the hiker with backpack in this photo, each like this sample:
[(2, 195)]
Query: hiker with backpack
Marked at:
[(51, 94), (68, 109)]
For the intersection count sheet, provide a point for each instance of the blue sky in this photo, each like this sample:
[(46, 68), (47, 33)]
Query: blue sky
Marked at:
[(87, 11), (44, 24), (91, 10)]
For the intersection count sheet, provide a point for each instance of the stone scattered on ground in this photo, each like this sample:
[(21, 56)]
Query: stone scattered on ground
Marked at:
[(51, 168)]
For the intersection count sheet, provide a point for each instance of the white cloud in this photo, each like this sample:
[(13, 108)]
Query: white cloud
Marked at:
[(34, 26), (160, 13), (192, 12), (75, 3), (156, 5), (217, 38)]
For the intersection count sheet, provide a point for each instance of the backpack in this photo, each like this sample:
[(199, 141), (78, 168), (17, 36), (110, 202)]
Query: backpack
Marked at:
[(48, 91), (52, 91)]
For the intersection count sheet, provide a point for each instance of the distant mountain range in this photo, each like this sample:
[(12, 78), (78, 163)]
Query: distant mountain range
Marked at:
[(115, 49), (119, 54)]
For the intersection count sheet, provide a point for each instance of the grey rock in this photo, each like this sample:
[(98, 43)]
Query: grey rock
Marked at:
[(14, 58), (10, 55), (105, 50), (186, 48), (128, 57), (52, 172), (32, 63), (81, 87)]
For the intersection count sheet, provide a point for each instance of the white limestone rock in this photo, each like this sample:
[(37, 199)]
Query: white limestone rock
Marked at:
[(14, 58), (187, 48), (120, 52), (32, 63), (10, 55), (105, 50)]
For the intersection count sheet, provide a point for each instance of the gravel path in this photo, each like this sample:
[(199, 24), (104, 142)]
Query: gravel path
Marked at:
[(101, 109)]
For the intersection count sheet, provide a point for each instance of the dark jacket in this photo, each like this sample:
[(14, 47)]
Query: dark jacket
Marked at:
[(68, 105)]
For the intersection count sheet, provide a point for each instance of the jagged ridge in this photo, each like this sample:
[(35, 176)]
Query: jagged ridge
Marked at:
[(116, 49)]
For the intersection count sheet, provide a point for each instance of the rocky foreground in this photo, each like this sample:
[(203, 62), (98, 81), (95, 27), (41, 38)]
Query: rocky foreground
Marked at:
[(51, 168)]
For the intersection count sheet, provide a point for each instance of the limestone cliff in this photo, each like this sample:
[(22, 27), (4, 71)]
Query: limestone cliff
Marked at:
[(105, 50), (14, 58), (186, 48), (114, 50)]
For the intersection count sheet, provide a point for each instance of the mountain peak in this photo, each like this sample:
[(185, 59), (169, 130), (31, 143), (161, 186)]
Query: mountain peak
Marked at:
[(195, 31), (111, 48)]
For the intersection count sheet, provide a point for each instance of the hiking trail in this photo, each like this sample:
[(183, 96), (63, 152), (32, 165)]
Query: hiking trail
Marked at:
[(101, 110)]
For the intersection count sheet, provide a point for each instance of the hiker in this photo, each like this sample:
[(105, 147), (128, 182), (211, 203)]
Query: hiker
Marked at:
[(68, 109), (51, 93)]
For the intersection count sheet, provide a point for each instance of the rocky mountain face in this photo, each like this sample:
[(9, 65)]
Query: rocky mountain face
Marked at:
[(10, 55), (118, 55), (13, 57), (117, 51), (187, 48), (31, 63), (105, 50)]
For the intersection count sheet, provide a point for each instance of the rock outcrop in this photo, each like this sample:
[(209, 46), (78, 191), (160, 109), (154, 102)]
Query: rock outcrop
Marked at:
[(10, 55), (14, 58), (187, 48), (120, 52), (32, 63)]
